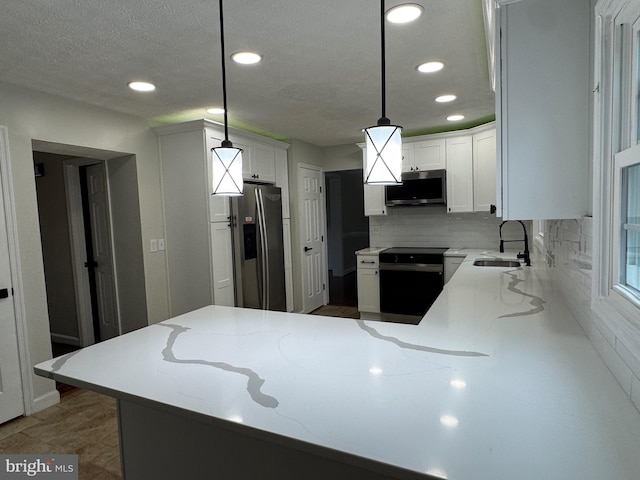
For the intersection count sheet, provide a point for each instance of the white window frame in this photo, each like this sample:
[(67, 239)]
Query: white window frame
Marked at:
[(617, 30), (623, 159)]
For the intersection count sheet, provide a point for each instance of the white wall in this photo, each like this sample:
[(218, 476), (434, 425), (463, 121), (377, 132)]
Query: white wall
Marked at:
[(30, 115)]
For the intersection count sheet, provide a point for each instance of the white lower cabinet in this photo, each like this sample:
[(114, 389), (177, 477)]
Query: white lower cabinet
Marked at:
[(451, 264), (222, 264), (368, 286)]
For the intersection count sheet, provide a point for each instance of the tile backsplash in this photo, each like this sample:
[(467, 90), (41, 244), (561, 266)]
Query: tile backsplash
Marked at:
[(568, 252), (432, 226)]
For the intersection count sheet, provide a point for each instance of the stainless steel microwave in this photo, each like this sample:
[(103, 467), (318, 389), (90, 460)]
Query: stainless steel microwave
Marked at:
[(419, 188)]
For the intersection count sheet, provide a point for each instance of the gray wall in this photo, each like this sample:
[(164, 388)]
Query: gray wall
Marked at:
[(128, 249)]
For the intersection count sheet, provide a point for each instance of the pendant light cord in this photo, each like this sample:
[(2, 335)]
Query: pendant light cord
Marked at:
[(224, 76), (384, 94)]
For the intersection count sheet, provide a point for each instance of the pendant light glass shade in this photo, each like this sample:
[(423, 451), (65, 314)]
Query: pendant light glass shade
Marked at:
[(227, 170), (383, 163)]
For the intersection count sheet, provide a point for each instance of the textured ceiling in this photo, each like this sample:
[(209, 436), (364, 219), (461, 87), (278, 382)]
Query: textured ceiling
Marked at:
[(319, 80)]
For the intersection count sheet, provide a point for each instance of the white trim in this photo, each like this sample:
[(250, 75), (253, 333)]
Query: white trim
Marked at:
[(16, 274), (114, 254), (66, 339), (323, 222), (78, 251), (624, 159), (47, 400), (78, 246)]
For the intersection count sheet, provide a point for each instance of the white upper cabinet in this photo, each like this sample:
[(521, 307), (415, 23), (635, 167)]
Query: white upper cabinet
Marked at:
[(197, 224), (459, 174), (219, 207), (469, 157), (484, 170), (374, 195), (542, 108), (263, 164), (427, 155), (374, 200)]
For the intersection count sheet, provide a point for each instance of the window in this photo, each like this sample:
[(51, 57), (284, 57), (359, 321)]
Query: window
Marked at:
[(617, 153), (627, 220), (631, 226)]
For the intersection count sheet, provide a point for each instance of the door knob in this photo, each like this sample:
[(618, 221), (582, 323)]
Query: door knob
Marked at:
[(4, 293), (306, 249)]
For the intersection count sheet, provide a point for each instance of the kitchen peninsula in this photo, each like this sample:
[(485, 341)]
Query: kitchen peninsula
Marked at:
[(497, 381)]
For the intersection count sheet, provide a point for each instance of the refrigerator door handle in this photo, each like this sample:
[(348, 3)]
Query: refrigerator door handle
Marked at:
[(265, 250)]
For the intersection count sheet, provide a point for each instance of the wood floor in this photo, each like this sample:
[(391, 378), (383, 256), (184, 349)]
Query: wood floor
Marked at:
[(84, 423)]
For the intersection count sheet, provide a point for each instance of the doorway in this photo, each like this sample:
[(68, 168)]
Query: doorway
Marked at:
[(347, 232), (88, 206), (75, 231)]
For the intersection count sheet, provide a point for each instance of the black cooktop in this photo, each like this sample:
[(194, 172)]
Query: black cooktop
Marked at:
[(413, 255)]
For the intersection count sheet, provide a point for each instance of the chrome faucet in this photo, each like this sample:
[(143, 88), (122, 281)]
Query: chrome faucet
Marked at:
[(525, 255)]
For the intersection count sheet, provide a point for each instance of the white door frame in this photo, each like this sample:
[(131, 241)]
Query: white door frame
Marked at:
[(78, 248), (16, 273), (323, 221)]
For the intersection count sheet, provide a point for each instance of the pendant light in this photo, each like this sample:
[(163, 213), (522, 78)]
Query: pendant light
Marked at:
[(383, 163), (226, 160)]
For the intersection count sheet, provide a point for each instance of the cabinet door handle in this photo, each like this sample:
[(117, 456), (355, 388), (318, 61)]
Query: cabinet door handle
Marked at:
[(367, 261)]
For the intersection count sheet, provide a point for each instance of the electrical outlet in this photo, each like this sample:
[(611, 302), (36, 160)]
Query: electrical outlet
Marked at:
[(153, 245), (161, 244)]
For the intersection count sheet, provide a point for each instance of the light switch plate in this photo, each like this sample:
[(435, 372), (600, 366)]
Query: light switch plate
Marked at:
[(153, 245)]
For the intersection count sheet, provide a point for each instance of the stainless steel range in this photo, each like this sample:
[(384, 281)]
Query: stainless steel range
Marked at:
[(410, 281)]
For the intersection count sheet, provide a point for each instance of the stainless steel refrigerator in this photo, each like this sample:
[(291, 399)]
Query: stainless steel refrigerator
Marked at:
[(258, 248)]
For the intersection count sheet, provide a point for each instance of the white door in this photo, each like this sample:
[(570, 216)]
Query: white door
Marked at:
[(11, 402), (102, 254), (311, 236)]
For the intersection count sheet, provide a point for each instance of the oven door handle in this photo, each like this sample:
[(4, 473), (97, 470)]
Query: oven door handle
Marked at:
[(413, 267)]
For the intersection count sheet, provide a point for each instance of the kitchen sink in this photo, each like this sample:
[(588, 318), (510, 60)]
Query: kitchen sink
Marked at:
[(494, 262)]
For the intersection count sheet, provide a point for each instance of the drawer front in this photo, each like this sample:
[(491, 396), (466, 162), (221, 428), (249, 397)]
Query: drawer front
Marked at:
[(368, 261)]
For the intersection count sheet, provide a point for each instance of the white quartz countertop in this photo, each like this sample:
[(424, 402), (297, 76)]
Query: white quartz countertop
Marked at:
[(371, 251), (498, 381)]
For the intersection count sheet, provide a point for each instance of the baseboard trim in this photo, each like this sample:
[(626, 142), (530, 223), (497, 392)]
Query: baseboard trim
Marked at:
[(47, 400), (66, 339)]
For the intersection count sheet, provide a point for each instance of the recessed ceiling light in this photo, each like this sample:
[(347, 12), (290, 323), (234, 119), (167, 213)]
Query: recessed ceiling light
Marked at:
[(142, 86), (405, 13), (430, 67), (455, 118), (445, 98), (215, 111), (246, 58)]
